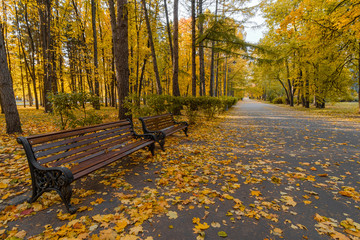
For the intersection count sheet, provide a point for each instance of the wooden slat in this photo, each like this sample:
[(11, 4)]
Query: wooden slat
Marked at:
[(90, 151), (157, 116), (76, 139), (69, 133), (96, 162), (108, 161), (172, 130), (73, 144), (84, 149)]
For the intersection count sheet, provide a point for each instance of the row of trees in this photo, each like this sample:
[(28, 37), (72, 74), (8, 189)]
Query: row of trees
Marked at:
[(111, 49), (312, 50)]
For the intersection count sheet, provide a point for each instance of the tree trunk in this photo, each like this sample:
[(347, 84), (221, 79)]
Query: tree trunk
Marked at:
[(225, 76), (32, 72), (153, 53), (96, 104), (290, 86), (142, 77), (359, 76), (176, 89), (193, 48), (46, 42), (168, 31), (201, 50), (119, 26), (7, 96), (212, 81)]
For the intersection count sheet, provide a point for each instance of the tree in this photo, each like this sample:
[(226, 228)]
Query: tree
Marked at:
[(119, 26), (153, 53), (7, 96), (201, 50), (176, 89), (193, 48), (93, 21), (45, 12)]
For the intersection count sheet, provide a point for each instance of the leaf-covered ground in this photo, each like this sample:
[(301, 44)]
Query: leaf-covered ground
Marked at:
[(259, 172)]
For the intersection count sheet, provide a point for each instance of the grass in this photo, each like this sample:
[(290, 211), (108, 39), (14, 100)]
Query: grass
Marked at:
[(342, 110)]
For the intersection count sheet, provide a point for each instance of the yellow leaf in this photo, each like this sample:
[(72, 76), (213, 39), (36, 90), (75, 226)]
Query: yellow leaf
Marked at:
[(120, 225), (172, 215), (3, 185), (108, 234), (307, 202), (227, 196), (5, 196), (319, 218), (136, 230), (255, 193), (346, 193), (196, 220), (201, 226)]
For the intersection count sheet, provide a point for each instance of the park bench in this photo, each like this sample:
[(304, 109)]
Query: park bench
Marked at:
[(162, 126), (57, 159)]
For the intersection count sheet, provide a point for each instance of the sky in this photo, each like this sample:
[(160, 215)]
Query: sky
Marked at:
[(255, 27)]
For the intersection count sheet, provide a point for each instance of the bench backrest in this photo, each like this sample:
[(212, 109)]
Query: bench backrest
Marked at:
[(156, 123), (77, 145)]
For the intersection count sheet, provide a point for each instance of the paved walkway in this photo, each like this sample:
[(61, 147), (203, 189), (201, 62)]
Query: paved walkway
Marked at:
[(266, 172)]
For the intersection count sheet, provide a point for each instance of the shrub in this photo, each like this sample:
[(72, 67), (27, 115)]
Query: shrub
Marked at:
[(279, 100), (66, 105), (158, 104)]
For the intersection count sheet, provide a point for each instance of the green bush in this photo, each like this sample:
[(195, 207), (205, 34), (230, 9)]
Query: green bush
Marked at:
[(279, 100), (192, 106), (71, 108)]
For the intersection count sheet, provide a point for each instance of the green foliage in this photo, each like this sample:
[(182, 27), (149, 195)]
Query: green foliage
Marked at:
[(192, 106), (279, 100), (71, 108)]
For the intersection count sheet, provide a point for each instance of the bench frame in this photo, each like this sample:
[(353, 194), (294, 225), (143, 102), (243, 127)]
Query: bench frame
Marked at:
[(162, 133), (59, 178)]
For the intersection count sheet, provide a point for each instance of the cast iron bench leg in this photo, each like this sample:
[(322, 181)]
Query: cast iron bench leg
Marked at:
[(48, 180)]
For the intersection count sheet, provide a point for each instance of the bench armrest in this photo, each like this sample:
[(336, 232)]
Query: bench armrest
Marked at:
[(182, 122), (146, 136)]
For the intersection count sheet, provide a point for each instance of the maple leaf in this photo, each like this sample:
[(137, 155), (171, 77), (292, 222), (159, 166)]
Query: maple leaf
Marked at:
[(202, 226), (172, 215), (339, 236), (288, 200), (255, 193), (135, 230), (277, 232), (215, 225), (108, 234)]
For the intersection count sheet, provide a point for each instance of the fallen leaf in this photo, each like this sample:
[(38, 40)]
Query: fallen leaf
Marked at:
[(172, 215), (222, 234)]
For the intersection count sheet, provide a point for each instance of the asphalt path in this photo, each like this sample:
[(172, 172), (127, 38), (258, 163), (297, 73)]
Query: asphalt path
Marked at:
[(298, 163), (264, 172)]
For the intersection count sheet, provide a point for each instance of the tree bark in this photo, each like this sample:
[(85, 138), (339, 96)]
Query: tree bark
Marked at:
[(359, 75), (212, 80), (201, 50), (46, 42), (176, 89), (193, 49), (32, 72), (96, 68), (290, 86), (7, 95), (169, 31), (119, 26), (153, 53)]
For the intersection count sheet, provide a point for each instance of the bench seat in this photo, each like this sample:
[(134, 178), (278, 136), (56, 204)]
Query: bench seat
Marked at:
[(57, 159), (162, 126)]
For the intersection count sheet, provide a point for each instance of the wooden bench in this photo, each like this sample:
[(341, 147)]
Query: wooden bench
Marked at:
[(162, 126), (57, 159)]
